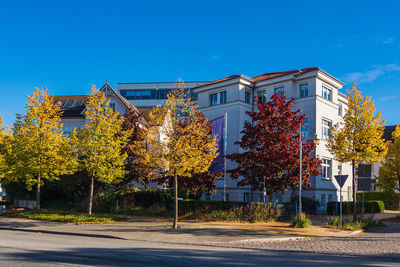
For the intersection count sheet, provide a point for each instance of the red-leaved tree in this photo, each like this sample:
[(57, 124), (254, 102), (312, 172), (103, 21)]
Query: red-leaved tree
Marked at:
[(270, 159)]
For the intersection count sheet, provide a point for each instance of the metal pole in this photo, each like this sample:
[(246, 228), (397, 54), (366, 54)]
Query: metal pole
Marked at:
[(341, 216), (225, 147), (300, 174)]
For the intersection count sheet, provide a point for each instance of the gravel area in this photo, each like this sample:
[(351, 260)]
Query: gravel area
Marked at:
[(382, 241)]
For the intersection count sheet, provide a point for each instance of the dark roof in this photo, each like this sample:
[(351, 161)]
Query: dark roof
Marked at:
[(261, 77), (71, 105), (387, 134), (74, 105)]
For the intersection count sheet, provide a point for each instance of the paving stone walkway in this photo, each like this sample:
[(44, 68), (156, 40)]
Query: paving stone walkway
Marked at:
[(381, 241)]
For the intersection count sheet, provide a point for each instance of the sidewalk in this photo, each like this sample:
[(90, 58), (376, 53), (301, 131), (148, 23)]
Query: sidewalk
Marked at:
[(159, 230)]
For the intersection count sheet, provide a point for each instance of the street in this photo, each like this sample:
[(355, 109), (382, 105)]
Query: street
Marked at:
[(23, 246)]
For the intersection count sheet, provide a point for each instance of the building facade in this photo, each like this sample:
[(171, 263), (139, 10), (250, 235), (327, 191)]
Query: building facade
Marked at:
[(316, 94)]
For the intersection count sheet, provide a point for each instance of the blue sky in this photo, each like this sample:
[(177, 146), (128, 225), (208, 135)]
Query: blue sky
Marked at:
[(68, 45)]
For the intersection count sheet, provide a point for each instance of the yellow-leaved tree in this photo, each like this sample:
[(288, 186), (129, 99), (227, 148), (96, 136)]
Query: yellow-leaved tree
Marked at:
[(38, 150), (100, 141), (359, 138), (179, 147), (388, 179)]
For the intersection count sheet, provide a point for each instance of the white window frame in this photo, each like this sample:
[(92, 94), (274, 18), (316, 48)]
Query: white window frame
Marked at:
[(326, 168), (329, 92), (325, 128), (219, 98), (340, 110)]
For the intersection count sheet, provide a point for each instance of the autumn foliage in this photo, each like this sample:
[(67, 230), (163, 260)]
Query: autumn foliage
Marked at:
[(270, 159)]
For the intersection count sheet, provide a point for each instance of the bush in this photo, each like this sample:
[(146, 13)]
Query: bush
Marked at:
[(106, 200), (227, 210), (373, 206), (301, 221), (391, 199), (348, 224)]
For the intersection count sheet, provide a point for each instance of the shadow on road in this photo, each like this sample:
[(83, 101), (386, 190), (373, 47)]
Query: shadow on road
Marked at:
[(195, 257)]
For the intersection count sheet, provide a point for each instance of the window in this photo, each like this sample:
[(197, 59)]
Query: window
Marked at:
[(138, 94), (326, 93), (304, 129), (330, 198), (218, 98), (227, 196), (326, 169), (323, 200), (112, 106), (304, 90), (340, 110), (247, 96), (246, 197), (364, 170), (145, 94), (279, 90), (262, 96), (349, 193), (326, 128)]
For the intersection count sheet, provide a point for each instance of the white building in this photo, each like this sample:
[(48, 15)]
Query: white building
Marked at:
[(317, 95)]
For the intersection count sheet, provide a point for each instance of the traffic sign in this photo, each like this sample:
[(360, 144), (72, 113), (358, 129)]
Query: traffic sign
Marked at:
[(341, 179)]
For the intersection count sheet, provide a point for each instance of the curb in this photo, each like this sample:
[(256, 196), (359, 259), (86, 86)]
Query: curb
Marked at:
[(354, 232), (272, 239)]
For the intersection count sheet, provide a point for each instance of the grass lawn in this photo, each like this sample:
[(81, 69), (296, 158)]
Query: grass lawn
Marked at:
[(65, 216)]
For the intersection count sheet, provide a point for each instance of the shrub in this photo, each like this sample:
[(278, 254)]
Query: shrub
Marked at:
[(390, 199), (373, 206), (106, 200), (301, 221), (348, 224), (228, 210)]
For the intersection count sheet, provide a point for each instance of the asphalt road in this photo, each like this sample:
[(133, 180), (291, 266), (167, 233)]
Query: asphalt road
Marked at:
[(30, 248)]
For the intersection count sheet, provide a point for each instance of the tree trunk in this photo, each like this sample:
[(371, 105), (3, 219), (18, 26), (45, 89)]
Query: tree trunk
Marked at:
[(354, 191), (38, 193), (91, 187), (175, 225)]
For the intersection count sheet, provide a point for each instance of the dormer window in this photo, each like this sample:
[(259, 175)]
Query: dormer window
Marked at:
[(218, 98)]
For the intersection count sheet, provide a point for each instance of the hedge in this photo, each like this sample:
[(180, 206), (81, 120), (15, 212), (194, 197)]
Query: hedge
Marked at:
[(372, 206), (391, 199), (227, 210)]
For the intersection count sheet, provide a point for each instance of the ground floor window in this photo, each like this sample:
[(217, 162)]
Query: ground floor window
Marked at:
[(246, 197), (323, 200)]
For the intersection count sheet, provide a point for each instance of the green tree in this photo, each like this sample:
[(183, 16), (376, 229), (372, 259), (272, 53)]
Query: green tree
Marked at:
[(388, 179), (359, 138), (179, 147), (100, 142), (38, 150)]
